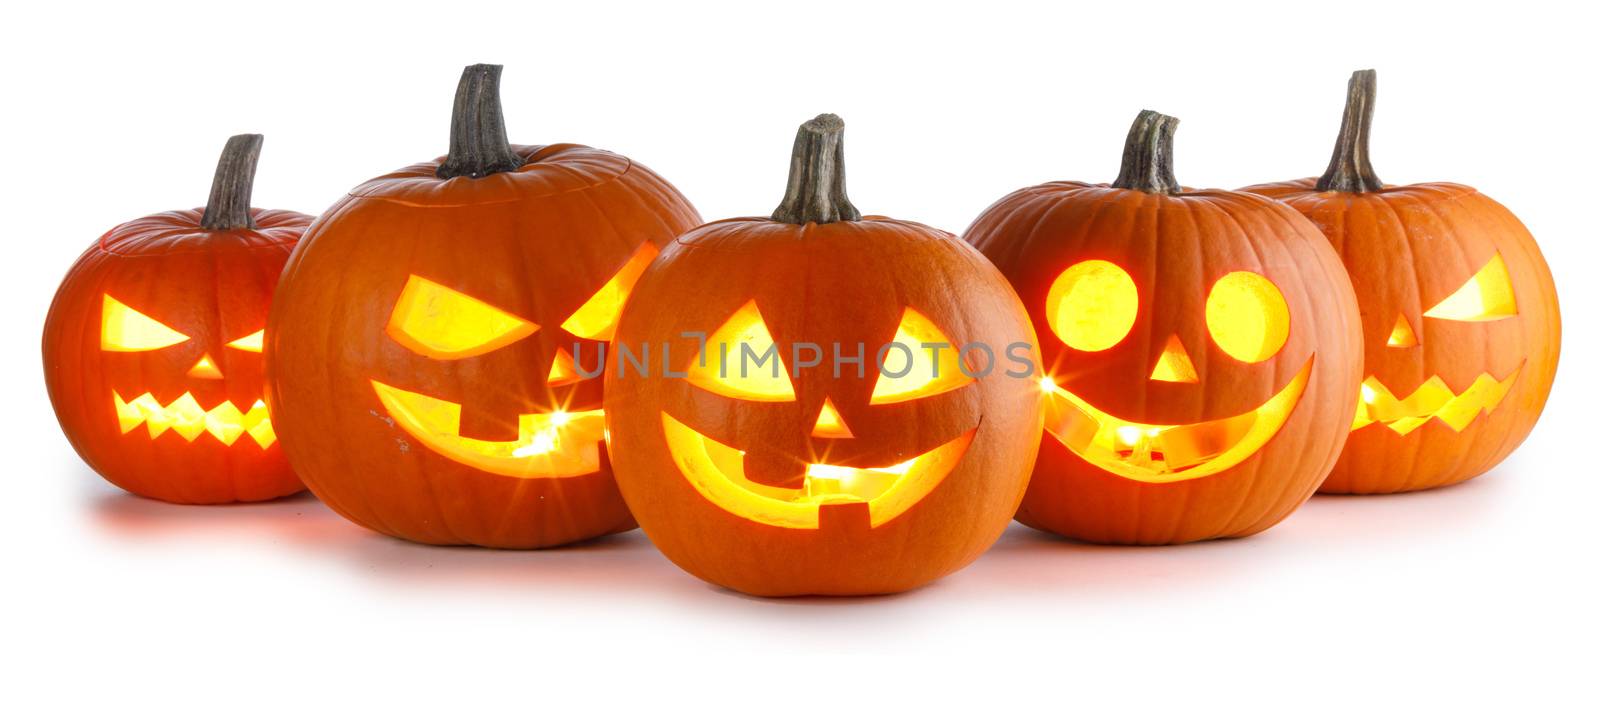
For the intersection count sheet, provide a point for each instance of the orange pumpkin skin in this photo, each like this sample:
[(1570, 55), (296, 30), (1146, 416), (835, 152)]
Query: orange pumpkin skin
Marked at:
[(1176, 246), (1458, 309), (536, 242), (1407, 248), (840, 282), (213, 287)]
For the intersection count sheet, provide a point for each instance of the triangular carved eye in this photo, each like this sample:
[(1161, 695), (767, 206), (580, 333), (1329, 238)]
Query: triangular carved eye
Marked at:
[(596, 319), (439, 322), (123, 329), (1485, 297), (250, 343), (742, 361), (921, 362)]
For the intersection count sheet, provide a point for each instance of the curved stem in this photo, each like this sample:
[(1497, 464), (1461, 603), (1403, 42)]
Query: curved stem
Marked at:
[(1350, 171), (229, 205), (1147, 156), (816, 176), (478, 145)]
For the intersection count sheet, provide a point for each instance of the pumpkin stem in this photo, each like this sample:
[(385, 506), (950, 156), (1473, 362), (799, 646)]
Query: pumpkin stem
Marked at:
[(1350, 171), (1147, 156), (816, 176), (229, 205), (478, 145)]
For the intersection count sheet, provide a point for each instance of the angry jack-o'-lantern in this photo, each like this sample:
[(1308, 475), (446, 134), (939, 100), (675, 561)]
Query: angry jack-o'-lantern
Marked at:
[(152, 349), (430, 351), (1459, 312), (768, 451), (1199, 348)]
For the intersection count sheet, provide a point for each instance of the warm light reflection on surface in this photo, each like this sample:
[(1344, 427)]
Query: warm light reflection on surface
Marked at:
[(1485, 297), (124, 329), (554, 444), (186, 417), (1433, 399), (1158, 453), (596, 320), (440, 322), (717, 471)]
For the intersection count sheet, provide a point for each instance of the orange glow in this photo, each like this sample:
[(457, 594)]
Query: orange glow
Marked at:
[(1485, 297), (205, 368), (440, 322), (1092, 305), (123, 329), (1174, 365), (596, 320), (250, 343), (731, 366), (716, 470), (1402, 336), (830, 424), (921, 373), (562, 370), (548, 445), (185, 417), (1247, 316), (1433, 399), (1159, 453)]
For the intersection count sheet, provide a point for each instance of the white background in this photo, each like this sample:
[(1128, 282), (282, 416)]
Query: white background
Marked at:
[(1483, 593)]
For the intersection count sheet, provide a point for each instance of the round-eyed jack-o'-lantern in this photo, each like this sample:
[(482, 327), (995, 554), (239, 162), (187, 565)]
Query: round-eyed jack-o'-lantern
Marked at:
[(1459, 311), (845, 408), (1199, 347), (152, 349), (436, 353)]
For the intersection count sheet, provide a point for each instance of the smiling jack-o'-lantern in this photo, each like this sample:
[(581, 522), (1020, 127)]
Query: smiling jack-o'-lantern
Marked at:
[(430, 347), (152, 349), (1199, 347), (1459, 310), (768, 451)]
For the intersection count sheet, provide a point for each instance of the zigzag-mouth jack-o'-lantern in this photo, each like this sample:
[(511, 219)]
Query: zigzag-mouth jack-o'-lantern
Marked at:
[(436, 351), (757, 439), (1199, 349), (152, 349), (1459, 311)]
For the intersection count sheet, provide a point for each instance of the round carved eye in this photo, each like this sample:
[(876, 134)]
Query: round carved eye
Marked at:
[(1247, 316), (1092, 305)]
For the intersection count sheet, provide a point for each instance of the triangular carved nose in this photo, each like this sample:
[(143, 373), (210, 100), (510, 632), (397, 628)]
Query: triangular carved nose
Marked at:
[(830, 423), (1403, 336), (205, 368), (1174, 365)]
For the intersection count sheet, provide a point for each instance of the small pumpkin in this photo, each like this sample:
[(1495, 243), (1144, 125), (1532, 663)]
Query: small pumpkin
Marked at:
[(1199, 346), (1459, 313), (435, 352), (152, 347), (818, 419)]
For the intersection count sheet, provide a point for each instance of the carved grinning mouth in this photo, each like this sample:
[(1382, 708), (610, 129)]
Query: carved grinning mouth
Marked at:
[(1159, 453), (1431, 400), (186, 417), (548, 445), (716, 470)]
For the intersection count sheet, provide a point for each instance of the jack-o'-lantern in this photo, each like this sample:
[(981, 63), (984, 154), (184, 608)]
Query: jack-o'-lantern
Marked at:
[(1199, 347), (829, 403), (436, 349), (152, 349), (1459, 311)]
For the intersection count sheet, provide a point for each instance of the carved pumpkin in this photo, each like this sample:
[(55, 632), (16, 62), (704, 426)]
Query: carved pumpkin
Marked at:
[(807, 472), (430, 346), (1459, 311), (152, 348), (1199, 346)]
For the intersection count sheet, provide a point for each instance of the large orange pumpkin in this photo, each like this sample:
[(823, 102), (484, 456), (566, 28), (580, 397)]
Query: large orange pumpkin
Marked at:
[(780, 459), (1200, 348), (435, 354), (152, 349), (1459, 311)]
